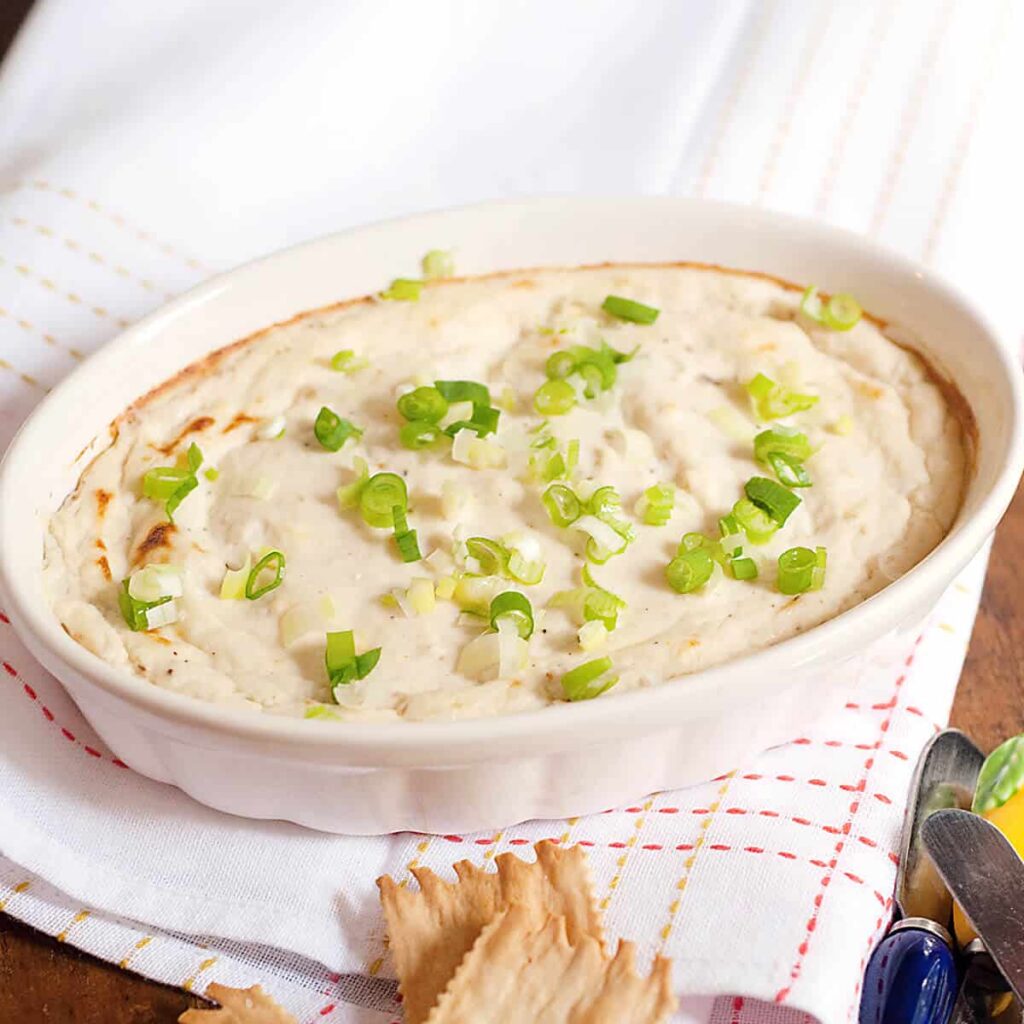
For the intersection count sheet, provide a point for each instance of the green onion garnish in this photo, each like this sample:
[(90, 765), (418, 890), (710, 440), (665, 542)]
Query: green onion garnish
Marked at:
[(600, 604), (628, 309), (656, 503), (403, 289), (405, 539), (589, 680), (563, 507), (136, 612), (772, 401), (332, 431), (424, 403), (211, 474), (378, 498), (690, 570), (778, 501), (463, 391), (782, 440), (554, 398), (744, 568), (346, 361), (438, 263), (492, 556), (419, 434), (790, 472), (801, 569), (756, 523), (484, 421), (840, 313), (343, 664), (515, 608), (272, 561), (560, 364), (173, 483)]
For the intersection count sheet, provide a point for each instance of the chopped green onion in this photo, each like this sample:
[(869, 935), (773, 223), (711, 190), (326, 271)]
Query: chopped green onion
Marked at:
[(628, 309), (790, 472), (599, 604), (438, 263), (186, 488), (778, 501), (484, 421), (405, 539), (811, 305), (155, 581), (162, 482), (346, 361), (772, 401), (419, 434), (348, 494), (592, 380), (524, 570), (343, 664), (515, 608), (842, 312), (332, 431), (801, 569), (560, 364), (136, 612), (403, 289), (603, 501), (744, 568), (492, 556), (211, 474), (547, 467), (232, 587), (563, 507), (572, 456), (756, 523), (656, 503), (321, 711), (589, 680), (194, 457), (605, 540), (782, 440), (690, 570), (379, 496), (554, 398), (424, 403), (463, 391), (272, 561)]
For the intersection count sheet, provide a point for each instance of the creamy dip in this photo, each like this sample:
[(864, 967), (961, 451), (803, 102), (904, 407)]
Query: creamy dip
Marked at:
[(887, 474)]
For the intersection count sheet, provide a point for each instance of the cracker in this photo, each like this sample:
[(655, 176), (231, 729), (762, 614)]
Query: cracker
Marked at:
[(238, 1006), (522, 972), (433, 929)]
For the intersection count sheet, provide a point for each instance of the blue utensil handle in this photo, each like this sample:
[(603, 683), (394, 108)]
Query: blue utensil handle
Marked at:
[(911, 977)]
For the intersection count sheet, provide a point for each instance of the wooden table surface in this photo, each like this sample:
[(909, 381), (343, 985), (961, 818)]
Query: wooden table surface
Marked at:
[(44, 980)]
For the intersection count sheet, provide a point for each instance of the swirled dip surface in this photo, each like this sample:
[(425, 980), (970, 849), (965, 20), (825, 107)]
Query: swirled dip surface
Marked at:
[(887, 478)]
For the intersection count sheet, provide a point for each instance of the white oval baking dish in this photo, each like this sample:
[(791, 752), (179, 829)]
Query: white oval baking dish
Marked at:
[(567, 759)]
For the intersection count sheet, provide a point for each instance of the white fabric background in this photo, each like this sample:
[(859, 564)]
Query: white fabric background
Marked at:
[(145, 145)]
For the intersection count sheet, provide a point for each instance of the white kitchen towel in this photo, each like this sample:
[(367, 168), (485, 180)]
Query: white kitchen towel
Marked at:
[(145, 145)]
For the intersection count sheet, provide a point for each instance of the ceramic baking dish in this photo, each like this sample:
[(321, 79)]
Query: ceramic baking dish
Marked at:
[(567, 759)]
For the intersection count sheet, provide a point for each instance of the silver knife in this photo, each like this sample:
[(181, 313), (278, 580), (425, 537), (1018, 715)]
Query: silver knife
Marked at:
[(986, 877)]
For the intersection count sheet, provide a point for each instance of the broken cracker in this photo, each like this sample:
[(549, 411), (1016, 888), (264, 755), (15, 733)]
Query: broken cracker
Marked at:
[(238, 1006), (519, 972), (433, 929)]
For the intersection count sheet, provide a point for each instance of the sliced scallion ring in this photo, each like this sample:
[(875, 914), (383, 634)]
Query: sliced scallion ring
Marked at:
[(403, 289), (690, 570), (346, 361), (743, 568), (629, 309), (332, 431), (492, 556), (419, 434), (515, 608), (137, 613), (778, 501), (756, 523), (772, 400), (797, 569), (438, 263), (589, 680), (562, 505), (790, 471), (560, 364), (464, 391), (272, 561), (379, 496), (842, 312), (554, 398), (423, 403), (343, 664)]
